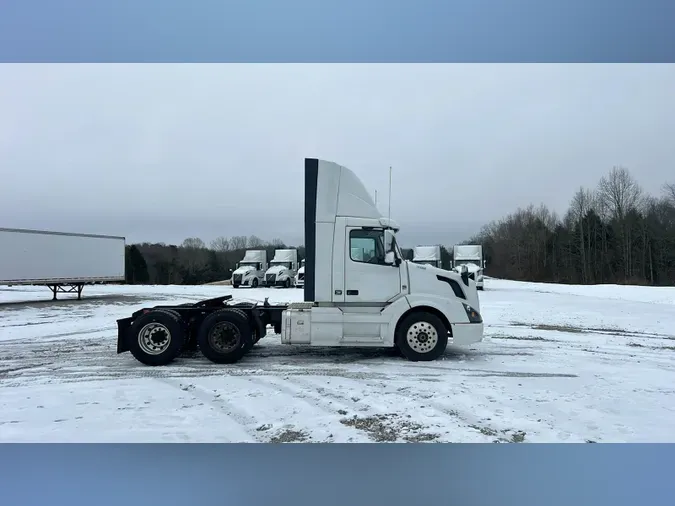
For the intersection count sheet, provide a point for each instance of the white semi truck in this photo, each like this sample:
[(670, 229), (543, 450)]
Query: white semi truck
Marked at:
[(374, 299), (469, 258), (300, 277), (251, 270), (427, 255), (283, 268), (63, 262)]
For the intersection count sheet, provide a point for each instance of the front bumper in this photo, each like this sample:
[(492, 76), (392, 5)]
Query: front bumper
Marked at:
[(464, 334), (275, 283)]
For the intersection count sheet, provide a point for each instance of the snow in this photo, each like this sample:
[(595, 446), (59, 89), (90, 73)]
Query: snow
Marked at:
[(558, 364)]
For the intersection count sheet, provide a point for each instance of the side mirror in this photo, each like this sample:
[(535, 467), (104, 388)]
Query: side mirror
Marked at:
[(390, 258), (465, 277)]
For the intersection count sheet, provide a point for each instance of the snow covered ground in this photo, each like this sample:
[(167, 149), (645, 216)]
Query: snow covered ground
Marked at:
[(559, 364)]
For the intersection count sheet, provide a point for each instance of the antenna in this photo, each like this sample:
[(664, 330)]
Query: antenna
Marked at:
[(375, 198), (390, 192)]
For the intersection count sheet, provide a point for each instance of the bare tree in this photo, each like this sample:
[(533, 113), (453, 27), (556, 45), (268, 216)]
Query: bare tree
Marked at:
[(220, 244), (669, 190), (582, 203), (620, 191), (254, 242), (193, 243), (238, 242)]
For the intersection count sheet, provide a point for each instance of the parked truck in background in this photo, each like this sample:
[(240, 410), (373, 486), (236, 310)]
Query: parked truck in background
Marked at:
[(469, 257), (427, 255), (283, 268), (300, 277), (251, 270), (372, 299), (64, 262)]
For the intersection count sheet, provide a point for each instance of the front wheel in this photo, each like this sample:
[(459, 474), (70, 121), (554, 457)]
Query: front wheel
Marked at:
[(421, 337), (254, 283), (287, 283)]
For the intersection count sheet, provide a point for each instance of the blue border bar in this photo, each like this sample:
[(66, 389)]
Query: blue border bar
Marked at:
[(324, 474), (337, 31)]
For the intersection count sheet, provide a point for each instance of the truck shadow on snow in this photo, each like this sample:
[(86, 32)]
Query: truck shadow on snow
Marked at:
[(298, 354)]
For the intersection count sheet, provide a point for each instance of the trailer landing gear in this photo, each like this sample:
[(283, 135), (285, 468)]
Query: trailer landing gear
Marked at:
[(66, 288)]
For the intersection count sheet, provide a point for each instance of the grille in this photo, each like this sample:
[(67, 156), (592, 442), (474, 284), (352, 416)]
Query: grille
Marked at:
[(301, 276), (270, 279), (472, 276), (236, 278)]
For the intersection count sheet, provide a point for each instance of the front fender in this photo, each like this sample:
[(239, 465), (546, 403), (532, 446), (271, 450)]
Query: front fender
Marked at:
[(452, 309)]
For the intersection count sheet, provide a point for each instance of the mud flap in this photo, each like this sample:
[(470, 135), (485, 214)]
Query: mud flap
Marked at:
[(258, 324), (123, 326)]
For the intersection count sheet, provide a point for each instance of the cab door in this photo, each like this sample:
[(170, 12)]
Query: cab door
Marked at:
[(368, 279)]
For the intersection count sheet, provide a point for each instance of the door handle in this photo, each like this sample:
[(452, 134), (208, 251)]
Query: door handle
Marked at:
[(352, 292)]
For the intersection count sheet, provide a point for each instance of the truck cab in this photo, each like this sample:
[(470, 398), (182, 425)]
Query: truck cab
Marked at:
[(427, 255), (283, 268), (251, 270), (300, 277), (359, 291), (469, 258)]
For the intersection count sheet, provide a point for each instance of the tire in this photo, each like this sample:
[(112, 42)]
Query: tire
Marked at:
[(396, 351), (235, 286), (287, 283), (234, 324), (148, 342), (254, 338), (421, 337), (254, 283)]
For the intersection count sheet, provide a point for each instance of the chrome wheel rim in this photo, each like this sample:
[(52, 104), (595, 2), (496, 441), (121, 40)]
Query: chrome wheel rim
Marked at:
[(422, 337), (154, 338)]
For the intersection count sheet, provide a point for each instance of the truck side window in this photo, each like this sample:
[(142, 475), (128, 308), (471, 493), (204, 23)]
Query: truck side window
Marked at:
[(367, 246)]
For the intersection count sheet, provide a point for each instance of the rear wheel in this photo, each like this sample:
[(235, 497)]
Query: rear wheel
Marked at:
[(157, 337), (421, 337), (225, 336)]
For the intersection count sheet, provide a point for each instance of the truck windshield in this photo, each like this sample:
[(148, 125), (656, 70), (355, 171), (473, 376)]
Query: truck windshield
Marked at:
[(288, 265), (249, 264), (433, 263), (467, 262)]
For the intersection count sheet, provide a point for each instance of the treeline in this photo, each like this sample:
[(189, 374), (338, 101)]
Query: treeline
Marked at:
[(193, 262), (614, 233)]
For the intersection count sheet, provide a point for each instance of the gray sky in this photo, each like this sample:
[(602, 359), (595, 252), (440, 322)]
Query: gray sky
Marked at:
[(163, 152)]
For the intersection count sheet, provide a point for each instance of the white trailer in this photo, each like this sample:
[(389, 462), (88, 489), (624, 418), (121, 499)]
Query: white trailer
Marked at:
[(283, 268), (427, 255), (300, 277), (62, 261), (469, 258), (251, 270), (372, 299)]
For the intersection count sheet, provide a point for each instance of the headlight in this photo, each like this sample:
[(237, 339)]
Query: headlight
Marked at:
[(474, 316)]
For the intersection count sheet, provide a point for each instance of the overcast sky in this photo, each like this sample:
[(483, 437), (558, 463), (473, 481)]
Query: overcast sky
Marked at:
[(163, 152)]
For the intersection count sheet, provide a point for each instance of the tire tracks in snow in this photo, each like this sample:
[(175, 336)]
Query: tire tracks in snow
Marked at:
[(240, 421)]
